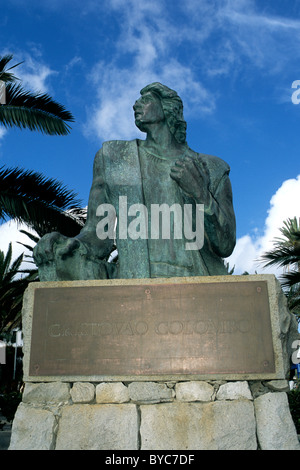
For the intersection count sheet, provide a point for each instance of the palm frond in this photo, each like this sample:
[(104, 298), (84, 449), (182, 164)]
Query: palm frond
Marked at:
[(5, 75), (293, 299), (29, 248), (41, 203), (290, 279), (34, 185), (29, 110), (32, 237), (286, 253), (291, 233), (17, 96), (5, 260), (4, 60), (281, 256), (15, 265), (34, 111), (39, 216), (12, 287)]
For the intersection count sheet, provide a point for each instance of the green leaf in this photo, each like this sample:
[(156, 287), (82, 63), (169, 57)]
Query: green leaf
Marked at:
[(43, 204)]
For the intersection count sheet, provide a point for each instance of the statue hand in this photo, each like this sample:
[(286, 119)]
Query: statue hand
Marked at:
[(67, 248), (43, 252), (53, 245), (191, 180)]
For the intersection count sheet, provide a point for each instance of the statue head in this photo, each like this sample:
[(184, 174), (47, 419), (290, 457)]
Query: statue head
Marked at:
[(173, 109)]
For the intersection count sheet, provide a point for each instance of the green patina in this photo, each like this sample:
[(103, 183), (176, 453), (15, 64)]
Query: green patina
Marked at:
[(161, 169)]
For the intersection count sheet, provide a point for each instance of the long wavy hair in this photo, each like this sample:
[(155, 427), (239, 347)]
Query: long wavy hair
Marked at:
[(172, 107)]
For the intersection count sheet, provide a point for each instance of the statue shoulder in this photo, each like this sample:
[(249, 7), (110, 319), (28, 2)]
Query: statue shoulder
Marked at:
[(215, 164), (112, 150), (112, 146)]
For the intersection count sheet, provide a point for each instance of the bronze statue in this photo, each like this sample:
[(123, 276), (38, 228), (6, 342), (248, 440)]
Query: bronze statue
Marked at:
[(160, 175)]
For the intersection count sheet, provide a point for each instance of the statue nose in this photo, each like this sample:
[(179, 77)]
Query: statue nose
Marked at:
[(136, 107)]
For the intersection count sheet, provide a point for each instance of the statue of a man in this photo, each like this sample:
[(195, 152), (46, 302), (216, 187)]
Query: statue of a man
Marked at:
[(134, 177)]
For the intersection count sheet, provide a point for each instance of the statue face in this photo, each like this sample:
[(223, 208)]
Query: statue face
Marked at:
[(148, 110)]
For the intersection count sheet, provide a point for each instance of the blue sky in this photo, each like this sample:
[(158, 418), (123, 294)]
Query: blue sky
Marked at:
[(233, 62)]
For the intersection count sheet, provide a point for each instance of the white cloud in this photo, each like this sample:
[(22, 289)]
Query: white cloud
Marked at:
[(112, 117), (145, 41), (34, 74), (73, 63), (10, 233), (149, 41), (284, 204), (3, 131), (269, 41), (32, 71), (246, 13)]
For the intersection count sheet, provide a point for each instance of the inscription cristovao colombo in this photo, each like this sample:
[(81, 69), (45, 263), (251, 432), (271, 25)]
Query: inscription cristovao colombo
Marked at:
[(152, 329), (140, 328)]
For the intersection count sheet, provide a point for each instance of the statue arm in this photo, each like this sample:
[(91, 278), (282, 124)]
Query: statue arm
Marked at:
[(212, 188), (61, 258), (94, 246), (219, 219)]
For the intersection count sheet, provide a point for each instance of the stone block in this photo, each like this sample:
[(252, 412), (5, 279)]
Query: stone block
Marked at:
[(112, 393), (150, 392), (275, 427), (234, 391), (258, 388), (42, 393), (82, 392), (223, 425), (194, 391), (98, 427), (33, 429), (278, 385)]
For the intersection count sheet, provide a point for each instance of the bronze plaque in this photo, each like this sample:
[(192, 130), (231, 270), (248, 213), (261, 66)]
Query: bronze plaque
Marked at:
[(152, 329)]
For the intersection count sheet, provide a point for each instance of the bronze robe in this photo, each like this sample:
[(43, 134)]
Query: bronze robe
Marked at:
[(120, 169)]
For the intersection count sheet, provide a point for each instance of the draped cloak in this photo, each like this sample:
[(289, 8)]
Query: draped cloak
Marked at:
[(122, 168)]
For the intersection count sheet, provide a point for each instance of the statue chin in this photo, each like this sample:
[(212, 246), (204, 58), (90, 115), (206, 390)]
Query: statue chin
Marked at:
[(140, 125)]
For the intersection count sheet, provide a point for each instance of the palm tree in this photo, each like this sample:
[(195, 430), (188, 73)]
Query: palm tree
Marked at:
[(34, 111), (12, 290), (286, 254), (26, 196), (43, 204)]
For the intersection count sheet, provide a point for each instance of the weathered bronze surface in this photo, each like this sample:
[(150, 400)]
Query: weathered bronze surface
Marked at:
[(152, 329), (130, 180)]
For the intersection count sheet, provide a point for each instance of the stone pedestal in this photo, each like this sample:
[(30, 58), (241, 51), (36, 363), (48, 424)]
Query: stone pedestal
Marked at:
[(191, 403), (194, 415)]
